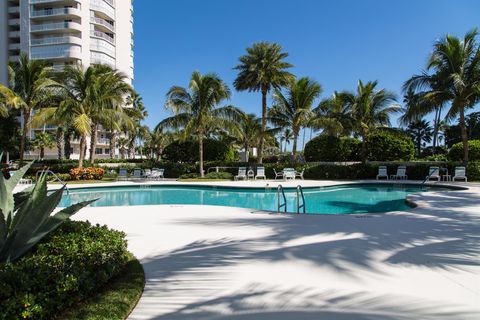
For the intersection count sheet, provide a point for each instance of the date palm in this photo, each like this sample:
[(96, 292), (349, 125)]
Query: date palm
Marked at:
[(455, 79), (41, 141), (262, 69), (196, 108), (30, 89), (294, 108), (370, 108)]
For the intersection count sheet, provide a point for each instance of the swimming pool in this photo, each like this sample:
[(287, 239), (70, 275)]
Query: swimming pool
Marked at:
[(341, 199)]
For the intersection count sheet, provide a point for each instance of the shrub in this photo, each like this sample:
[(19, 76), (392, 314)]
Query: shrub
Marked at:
[(456, 152), (473, 171), (219, 175), (189, 176), (72, 263), (330, 148), (87, 174), (187, 151), (389, 146)]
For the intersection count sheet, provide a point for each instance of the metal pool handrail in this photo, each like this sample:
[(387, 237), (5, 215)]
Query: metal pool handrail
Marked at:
[(300, 193), (47, 172), (284, 204)]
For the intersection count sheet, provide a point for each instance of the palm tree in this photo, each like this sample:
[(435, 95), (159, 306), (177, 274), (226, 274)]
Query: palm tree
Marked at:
[(261, 69), (30, 89), (421, 132), (333, 115), (455, 79), (249, 132), (287, 137), (370, 108), (294, 109), (123, 144), (93, 95), (136, 112), (41, 141), (196, 108), (157, 141)]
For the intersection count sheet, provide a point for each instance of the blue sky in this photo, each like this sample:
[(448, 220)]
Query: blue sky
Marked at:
[(335, 42)]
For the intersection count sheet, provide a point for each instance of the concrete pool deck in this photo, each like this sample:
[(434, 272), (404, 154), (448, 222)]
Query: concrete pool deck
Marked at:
[(206, 262)]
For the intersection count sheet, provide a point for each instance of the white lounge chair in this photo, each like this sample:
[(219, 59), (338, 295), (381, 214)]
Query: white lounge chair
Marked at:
[(147, 173), (433, 173), (460, 174), (260, 173), (382, 172), (299, 174), (122, 174), (401, 173), (278, 174), (157, 173), (289, 173), (242, 174)]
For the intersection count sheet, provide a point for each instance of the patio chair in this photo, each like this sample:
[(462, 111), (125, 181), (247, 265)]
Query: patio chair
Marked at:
[(22, 180), (157, 173), (261, 173), (242, 174), (289, 173), (299, 174), (433, 173), (147, 173), (278, 174), (382, 172), (137, 174), (401, 174), (122, 174), (460, 174)]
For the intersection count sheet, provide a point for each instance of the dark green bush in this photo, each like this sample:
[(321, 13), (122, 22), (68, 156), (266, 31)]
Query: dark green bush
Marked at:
[(473, 171), (187, 151), (189, 176), (68, 265), (456, 152), (329, 148), (389, 146), (219, 175)]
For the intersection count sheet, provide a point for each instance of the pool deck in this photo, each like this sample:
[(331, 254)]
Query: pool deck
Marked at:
[(207, 262)]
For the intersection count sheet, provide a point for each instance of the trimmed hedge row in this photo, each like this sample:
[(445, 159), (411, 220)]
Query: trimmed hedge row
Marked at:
[(70, 264)]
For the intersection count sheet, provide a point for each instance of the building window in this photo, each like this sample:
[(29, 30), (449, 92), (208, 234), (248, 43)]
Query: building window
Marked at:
[(98, 151), (107, 151)]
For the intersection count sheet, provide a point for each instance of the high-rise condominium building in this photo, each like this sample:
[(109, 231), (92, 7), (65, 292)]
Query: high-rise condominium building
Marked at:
[(65, 32)]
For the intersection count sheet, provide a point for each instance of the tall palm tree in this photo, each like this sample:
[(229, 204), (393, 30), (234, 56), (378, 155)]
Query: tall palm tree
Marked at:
[(455, 72), (41, 141), (93, 95), (333, 116), (30, 89), (294, 109), (249, 132), (196, 108), (263, 68), (287, 137), (157, 141), (421, 132), (136, 112), (370, 108)]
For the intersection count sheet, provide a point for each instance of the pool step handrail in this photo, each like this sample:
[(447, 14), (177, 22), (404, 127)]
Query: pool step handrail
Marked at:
[(437, 170), (300, 194), (284, 204), (57, 178)]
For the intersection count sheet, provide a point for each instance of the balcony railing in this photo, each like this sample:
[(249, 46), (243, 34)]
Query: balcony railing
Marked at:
[(55, 40), (55, 54), (102, 35), (55, 12), (55, 26), (103, 6), (103, 22)]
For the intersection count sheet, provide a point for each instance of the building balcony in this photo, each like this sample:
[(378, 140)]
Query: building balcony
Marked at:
[(102, 35), (14, 10), (102, 22), (101, 58), (13, 22), (55, 40), (58, 26), (52, 1), (46, 13), (14, 58), (14, 34), (104, 7), (103, 141), (102, 46), (62, 53), (14, 46)]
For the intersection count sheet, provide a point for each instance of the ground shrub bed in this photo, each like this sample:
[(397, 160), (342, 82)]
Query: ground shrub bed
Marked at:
[(87, 173), (456, 151), (70, 264), (388, 146)]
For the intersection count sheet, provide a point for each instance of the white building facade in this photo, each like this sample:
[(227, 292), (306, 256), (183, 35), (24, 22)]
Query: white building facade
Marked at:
[(66, 32)]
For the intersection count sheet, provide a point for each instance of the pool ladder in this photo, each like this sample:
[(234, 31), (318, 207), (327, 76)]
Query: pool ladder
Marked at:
[(281, 196)]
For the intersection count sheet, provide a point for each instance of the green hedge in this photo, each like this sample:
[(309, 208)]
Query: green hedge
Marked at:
[(389, 146), (329, 148), (187, 151), (456, 152), (70, 264)]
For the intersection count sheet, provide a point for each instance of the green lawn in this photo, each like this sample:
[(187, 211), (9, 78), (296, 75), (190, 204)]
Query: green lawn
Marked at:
[(116, 301)]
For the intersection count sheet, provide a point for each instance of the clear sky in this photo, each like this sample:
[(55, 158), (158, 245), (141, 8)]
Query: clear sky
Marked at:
[(336, 42)]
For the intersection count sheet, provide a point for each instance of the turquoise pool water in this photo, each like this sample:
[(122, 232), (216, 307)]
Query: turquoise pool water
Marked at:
[(343, 199)]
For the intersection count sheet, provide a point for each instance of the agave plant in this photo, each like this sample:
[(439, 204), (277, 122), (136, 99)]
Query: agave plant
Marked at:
[(26, 217)]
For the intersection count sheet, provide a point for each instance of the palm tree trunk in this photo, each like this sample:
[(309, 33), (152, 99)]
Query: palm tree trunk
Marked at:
[(246, 152), (295, 138), (264, 124), (93, 142), (26, 120), (200, 153), (83, 140), (61, 143), (364, 145), (436, 126), (42, 152), (464, 136), (113, 137)]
